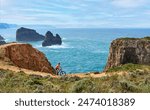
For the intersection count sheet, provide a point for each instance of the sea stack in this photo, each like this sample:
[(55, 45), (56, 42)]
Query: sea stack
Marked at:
[(129, 50), (50, 39), (25, 34)]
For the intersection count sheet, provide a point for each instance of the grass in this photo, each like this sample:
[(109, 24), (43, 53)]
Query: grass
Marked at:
[(128, 67), (129, 38), (137, 80), (147, 38)]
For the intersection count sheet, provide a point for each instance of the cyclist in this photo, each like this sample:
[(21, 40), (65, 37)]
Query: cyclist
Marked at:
[(57, 68)]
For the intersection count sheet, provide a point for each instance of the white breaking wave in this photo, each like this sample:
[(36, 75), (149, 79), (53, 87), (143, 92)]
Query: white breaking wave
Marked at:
[(63, 46), (64, 38), (98, 51)]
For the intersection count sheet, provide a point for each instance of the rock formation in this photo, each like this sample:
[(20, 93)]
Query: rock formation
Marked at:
[(24, 34), (50, 39), (2, 40), (129, 50), (25, 56)]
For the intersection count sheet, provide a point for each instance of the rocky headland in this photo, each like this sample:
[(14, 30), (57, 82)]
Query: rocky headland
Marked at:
[(2, 40), (50, 39), (27, 35), (25, 56), (129, 50), (6, 25)]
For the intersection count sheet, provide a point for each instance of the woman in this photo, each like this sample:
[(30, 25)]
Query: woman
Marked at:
[(57, 68)]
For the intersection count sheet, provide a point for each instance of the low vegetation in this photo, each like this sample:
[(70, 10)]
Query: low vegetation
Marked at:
[(147, 38), (130, 38), (129, 68), (137, 80)]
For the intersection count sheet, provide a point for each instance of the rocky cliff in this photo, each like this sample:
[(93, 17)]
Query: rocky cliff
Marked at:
[(50, 39), (25, 56), (129, 50), (25, 34)]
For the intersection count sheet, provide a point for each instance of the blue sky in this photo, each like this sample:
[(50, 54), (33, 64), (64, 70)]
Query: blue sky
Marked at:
[(77, 13)]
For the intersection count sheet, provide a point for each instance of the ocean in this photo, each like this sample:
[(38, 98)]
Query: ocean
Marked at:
[(83, 50)]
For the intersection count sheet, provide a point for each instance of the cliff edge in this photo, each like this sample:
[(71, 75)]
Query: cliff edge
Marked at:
[(25, 56), (129, 50)]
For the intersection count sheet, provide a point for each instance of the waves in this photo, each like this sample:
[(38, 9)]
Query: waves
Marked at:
[(63, 46), (99, 52)]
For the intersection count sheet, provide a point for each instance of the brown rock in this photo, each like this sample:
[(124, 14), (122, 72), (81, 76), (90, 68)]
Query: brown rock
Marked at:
[(25, 56), (129, 50)]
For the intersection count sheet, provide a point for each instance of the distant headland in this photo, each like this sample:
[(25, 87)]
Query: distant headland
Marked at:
[(6, 25)]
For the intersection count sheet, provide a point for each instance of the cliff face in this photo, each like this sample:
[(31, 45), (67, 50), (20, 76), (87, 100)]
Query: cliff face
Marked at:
[(24, 34), (123, 51), (25, 56)]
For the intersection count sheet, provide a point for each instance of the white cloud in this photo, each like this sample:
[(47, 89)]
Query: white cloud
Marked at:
[(128, 3)]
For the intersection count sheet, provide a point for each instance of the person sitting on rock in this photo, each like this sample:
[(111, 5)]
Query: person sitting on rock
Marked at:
[(57, 68)]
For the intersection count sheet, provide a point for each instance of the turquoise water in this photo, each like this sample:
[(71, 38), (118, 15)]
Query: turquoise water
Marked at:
[(83, 50)]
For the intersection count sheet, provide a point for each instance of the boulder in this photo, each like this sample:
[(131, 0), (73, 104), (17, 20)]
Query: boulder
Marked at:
[(50, 39), (129, 50), (25, 34), (25, 56)]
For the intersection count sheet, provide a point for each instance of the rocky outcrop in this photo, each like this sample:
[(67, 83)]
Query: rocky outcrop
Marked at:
[(129, 50), (25, 56), (25, 34), (50, 39), (2, 40)]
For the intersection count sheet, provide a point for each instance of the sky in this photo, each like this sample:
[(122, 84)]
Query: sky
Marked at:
[(77, 13)]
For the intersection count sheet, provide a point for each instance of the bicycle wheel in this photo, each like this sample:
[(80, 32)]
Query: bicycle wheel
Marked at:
[(63, 73)]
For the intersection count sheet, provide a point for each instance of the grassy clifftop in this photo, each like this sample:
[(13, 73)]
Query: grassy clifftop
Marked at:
[(136, 79), (129, 38)]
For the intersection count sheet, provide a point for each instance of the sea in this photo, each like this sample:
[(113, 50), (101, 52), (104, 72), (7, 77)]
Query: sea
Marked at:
[(83, 49)]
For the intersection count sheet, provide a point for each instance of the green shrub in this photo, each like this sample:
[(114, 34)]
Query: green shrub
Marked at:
[(85, 85), (147, 38), (126, 67)]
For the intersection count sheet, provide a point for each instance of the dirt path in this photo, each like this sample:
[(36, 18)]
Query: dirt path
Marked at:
[(17, 69), (5, 66)]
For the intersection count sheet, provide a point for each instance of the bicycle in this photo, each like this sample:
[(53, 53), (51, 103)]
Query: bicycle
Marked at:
[(61, 72)]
